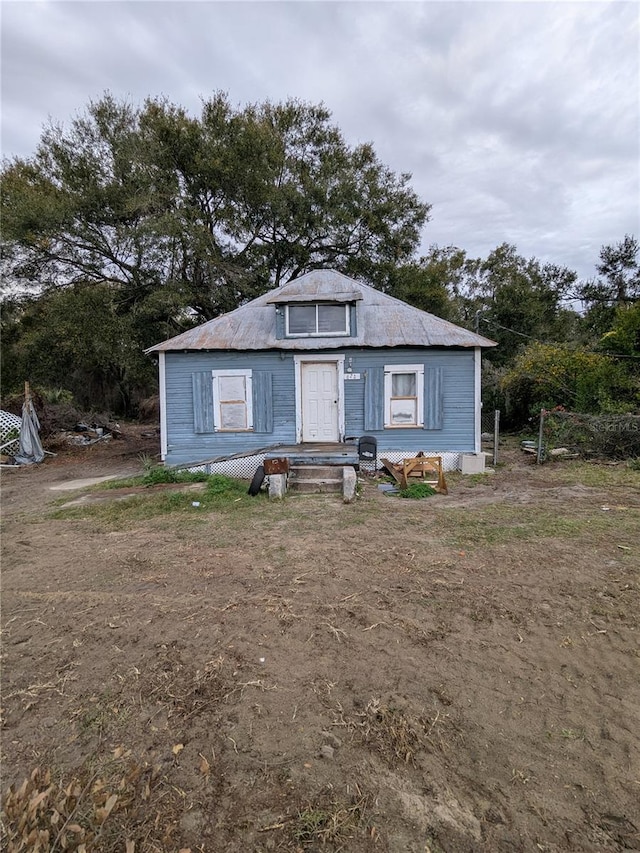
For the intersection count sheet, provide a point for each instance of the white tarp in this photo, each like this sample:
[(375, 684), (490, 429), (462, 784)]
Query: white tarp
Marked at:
[(30, 450)]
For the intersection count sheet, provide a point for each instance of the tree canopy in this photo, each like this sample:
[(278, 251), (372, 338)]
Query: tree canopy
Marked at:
[(213, 209), (616, 286), (133, 223)]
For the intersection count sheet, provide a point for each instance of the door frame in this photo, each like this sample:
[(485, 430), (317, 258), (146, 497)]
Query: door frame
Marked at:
[(319, 358)]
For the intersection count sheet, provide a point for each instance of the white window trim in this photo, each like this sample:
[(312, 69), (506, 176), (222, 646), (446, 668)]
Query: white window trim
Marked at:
[(389, 371), (217, 420), (344, 334), (477, 378), (162, 382)]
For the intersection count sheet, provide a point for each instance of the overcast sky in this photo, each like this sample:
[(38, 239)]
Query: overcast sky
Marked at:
[(519, 121)]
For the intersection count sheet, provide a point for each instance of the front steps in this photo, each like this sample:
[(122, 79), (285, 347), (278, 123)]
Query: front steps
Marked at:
[(315, 479)]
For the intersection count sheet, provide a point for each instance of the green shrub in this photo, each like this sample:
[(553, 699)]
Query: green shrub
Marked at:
[(549, 375)]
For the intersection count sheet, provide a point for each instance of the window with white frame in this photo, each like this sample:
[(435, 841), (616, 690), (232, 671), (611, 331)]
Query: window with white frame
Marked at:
[(317, 319), (232, 400), (403, 395)]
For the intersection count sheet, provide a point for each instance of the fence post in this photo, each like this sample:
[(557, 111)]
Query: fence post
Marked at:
[(539, 457), (496, 435)]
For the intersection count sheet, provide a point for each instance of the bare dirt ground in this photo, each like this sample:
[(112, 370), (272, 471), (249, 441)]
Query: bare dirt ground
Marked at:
[(455, 674)]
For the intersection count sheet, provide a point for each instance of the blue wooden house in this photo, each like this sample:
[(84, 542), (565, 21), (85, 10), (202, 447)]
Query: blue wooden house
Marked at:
[(321, 359)]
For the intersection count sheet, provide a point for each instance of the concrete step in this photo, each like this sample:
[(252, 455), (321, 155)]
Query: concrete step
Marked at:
[(309, 485), (316, 479), (297, 473)]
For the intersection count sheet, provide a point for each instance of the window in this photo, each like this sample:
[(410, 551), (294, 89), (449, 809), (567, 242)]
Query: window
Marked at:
[(403, 395), (232, 400), (322, 320)]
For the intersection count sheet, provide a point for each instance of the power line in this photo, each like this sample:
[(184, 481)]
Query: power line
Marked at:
[(494, 325)]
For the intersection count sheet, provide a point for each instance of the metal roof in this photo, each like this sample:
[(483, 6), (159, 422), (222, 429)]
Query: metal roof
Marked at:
[(382, 321)]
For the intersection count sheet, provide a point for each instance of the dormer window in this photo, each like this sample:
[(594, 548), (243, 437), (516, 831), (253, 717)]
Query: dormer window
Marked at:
[(320, 319)]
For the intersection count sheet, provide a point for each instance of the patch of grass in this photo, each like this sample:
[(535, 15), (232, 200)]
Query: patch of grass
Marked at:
[(104, 715), (594, 474), (157, 475), (218, 484), (417, 491), (476, 479), (311, 825), (221, 494), (573, 734), (334, 823), (504, 523)]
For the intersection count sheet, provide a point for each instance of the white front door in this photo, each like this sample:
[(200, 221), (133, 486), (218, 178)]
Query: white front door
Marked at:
[(320, 401)]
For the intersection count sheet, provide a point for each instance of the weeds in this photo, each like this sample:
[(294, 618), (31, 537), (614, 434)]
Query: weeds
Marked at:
[(573, 734), (594, 474), (190, 693), (477, 479), (334, 823), (393, 733), (109, 809), (156, 475)]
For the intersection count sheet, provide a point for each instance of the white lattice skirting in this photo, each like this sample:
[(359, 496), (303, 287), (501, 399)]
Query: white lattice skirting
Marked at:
[(9, 425), (245, 467), (450, 461)]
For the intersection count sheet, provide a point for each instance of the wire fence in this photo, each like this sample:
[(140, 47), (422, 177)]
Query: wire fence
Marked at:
[(591, 436), (490, 429)]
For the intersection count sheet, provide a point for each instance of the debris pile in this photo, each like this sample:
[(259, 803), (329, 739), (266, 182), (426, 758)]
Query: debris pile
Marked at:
[(84, 434)]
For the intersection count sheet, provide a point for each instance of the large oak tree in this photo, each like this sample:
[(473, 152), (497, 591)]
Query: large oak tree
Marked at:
[(211, 209)]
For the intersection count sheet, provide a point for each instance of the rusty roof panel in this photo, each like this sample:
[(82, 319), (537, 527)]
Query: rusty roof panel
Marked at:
[(382, 321)]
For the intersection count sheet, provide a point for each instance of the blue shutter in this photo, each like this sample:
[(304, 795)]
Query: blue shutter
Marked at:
[(374, 399), (433, 404), (202, 402), (262, 401), (280, 329)]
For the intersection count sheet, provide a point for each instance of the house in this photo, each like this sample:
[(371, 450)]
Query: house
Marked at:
[(322, 358)]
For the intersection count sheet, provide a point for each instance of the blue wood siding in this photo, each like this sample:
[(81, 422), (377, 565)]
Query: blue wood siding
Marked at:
[(449, 423), (185, 445)]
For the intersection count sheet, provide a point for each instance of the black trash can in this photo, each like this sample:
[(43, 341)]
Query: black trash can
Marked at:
[(368, 451)]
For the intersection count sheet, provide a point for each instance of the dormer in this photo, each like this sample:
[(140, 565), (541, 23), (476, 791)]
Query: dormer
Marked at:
[(317, 315)]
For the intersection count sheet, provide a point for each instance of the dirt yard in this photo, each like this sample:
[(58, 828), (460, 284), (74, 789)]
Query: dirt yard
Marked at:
[(456, 674)]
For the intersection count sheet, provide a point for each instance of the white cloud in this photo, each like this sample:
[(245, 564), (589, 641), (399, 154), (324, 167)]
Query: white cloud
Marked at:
[(519, 121)]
